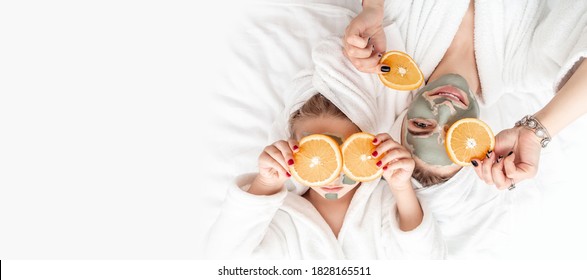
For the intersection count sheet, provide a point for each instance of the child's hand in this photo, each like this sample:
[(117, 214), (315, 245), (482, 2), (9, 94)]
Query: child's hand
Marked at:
[(274, 164), (398, 164)]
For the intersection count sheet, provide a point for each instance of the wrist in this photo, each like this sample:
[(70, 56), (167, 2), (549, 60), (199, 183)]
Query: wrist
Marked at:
[(373, 4), (401, 188), (264, 186), (534, 125)]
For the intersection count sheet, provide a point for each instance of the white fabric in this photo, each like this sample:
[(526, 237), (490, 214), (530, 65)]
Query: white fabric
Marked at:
[(287, 226), (272, 41)]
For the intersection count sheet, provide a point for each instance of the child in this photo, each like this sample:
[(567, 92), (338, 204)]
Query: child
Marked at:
[(381, 219)]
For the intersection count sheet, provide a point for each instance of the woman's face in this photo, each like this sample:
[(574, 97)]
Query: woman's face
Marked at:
[(337, 128), (435, 108)]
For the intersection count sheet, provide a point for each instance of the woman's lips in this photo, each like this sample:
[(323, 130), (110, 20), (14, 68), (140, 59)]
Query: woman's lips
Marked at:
[(330, 189), (452, 93)]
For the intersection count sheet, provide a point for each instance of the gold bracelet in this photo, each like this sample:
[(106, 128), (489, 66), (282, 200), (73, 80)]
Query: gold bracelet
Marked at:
[(540, 131)]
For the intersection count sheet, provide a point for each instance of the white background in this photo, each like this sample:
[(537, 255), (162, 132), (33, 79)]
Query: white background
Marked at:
[(105, 113)]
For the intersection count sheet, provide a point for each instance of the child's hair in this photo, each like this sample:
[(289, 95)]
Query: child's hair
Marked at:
[(316, 106)]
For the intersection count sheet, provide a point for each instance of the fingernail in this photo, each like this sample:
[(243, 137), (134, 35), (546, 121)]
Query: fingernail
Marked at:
[(290, 162), (489, 154), (499, 158), (510, 153), (379, 164), (375, 153), (375, 140), (385, 167), (380, 55), (372, 47), (474, 163), (385, 68), (295, 147), (368, 40), (287, 173)]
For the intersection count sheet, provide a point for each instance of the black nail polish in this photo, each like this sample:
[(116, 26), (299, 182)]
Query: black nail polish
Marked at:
[(379, 55), (385, 68), (474, 163), (488, 155), (368, 40), (499, 158), (510, 153)]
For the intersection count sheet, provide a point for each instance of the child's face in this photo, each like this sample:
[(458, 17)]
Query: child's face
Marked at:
[(339, 129)]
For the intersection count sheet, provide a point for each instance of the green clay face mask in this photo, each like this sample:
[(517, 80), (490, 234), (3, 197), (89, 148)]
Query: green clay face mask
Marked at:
[(434, 109)]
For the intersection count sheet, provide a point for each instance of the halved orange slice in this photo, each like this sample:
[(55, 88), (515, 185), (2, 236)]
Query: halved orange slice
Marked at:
[(404, 73), (359, 164), (468, 139), (317, 162)]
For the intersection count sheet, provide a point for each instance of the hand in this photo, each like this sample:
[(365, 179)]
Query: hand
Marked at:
[(515, 158), (364, 40), (274, 164), (398, 164)]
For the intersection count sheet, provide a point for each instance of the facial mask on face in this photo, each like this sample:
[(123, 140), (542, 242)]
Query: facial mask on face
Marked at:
[(444, 111)]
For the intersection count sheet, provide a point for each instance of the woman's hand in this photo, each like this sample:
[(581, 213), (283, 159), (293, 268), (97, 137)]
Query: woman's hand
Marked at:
[(397, 164), (364, 39), (515, 158), (274, 164)]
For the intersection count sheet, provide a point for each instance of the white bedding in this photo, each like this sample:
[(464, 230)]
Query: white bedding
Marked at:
[(271, 41)]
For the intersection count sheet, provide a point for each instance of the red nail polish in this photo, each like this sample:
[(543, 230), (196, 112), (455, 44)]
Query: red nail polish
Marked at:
[(374, 140), (295, 147), (379, 164), (287, 173), (375, 154), (290, 162), (385, 167)]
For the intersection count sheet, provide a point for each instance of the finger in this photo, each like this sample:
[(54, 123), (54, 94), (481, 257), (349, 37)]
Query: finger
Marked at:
[(394, 155), (486, 167), (369, 65), (498, 175), (355, 52), (518, 172), (404, 164), (384, 144), (269, 165), (354, 39), (294, 145), (276, 155), (381, 137), (286, 152), (509, 165), (477, 167)]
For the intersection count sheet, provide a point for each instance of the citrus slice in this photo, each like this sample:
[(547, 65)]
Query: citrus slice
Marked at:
[(404, 74), (317, 162), (468, 139), (359, 164)]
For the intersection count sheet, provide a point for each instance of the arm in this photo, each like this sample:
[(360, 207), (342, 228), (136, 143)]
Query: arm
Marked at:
[(522, 163), (568, 104), (398, 166)]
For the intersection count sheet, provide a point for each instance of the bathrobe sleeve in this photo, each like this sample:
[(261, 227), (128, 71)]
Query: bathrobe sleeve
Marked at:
[(423, 242), (562, 38), (243, 223)]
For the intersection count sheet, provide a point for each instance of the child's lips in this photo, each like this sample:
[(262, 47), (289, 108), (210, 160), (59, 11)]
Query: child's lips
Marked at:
[(331, 189)]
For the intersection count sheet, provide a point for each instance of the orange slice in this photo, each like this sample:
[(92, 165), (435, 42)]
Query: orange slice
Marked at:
[(317, 162), (468, 139), (404, 73), (359, 164)]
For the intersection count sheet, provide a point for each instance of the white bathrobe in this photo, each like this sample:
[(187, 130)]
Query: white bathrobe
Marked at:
[(286, 225)]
